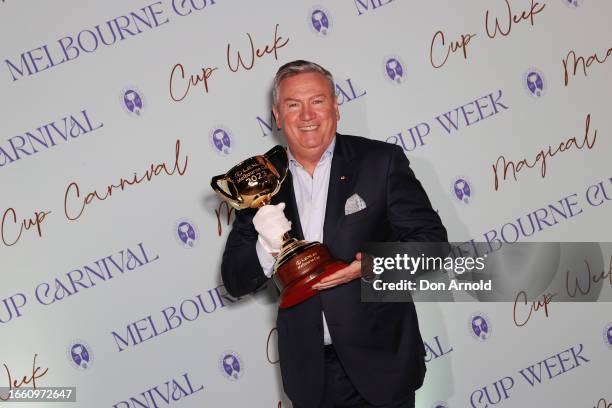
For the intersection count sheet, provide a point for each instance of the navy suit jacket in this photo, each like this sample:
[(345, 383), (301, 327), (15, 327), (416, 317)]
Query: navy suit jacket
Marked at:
[(379, 344)]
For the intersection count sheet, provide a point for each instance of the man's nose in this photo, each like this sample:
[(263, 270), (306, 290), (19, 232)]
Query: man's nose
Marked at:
[(306, 113)]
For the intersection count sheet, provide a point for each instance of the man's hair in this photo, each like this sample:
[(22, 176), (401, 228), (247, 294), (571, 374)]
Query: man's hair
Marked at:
[(299, 67)]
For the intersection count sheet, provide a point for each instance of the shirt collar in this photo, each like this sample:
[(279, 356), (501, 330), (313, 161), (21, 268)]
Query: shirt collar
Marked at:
[(327, 154)]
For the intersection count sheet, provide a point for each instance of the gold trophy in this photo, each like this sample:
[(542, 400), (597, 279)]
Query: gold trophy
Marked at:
[(300, 264)]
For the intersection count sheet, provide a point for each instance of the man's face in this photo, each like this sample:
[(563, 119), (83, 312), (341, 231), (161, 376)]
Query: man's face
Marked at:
[(307, 111)]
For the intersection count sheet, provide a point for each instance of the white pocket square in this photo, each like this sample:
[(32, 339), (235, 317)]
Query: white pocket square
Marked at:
[(354, 204)]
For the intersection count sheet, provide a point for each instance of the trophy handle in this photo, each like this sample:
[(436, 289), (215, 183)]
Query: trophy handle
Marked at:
[(279, 150), (233, 193)]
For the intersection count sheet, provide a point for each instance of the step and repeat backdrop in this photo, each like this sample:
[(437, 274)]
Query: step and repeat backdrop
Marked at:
[(115, 116)]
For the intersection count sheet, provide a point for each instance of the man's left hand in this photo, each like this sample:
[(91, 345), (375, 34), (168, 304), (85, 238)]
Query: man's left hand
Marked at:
[(344, 275)]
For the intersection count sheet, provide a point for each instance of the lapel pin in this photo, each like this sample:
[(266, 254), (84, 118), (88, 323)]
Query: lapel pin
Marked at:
[(342, 177)]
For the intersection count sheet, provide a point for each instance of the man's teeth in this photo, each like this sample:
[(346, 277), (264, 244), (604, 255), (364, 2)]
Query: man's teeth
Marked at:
[(306, 128)]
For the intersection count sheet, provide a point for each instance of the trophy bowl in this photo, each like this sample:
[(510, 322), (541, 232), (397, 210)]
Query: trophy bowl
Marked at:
[(300, 264), (252, 182)]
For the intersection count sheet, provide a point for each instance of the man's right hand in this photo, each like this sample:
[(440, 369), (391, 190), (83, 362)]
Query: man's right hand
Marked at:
[(270, 223)]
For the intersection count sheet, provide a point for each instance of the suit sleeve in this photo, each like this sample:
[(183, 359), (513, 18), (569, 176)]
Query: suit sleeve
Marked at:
[(240, 268), (408, 207)]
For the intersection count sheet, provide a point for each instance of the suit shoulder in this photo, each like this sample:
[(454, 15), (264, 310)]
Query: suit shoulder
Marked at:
[(364, 146)]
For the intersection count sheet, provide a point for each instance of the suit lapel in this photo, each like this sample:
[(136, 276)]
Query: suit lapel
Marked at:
[(342, 180), (286, 195)]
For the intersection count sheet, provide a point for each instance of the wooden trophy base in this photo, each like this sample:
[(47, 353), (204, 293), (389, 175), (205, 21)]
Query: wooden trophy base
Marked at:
[(299, 267)]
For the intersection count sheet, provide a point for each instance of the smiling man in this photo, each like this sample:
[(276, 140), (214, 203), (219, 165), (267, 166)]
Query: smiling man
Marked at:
[(305, 108), (343, 191)]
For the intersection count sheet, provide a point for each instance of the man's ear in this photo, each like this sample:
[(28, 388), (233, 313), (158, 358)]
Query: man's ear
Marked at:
[(275, 113), (336, 107)]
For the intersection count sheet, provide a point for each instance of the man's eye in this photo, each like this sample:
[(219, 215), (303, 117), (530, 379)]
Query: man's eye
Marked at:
[(318, 101), (292, 105)]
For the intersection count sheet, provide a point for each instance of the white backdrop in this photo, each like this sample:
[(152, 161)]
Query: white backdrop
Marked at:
[(92, 94)]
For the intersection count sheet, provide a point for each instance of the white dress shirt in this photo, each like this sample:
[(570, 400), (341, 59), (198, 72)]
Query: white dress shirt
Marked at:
[(311, 199)]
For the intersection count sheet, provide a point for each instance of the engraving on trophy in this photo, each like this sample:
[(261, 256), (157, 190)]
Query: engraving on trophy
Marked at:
[(308, 259)]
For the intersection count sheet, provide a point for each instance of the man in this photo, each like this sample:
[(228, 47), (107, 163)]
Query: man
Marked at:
[(335, 350)]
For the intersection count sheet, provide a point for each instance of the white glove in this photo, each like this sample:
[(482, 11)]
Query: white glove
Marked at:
[(270, 223)]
